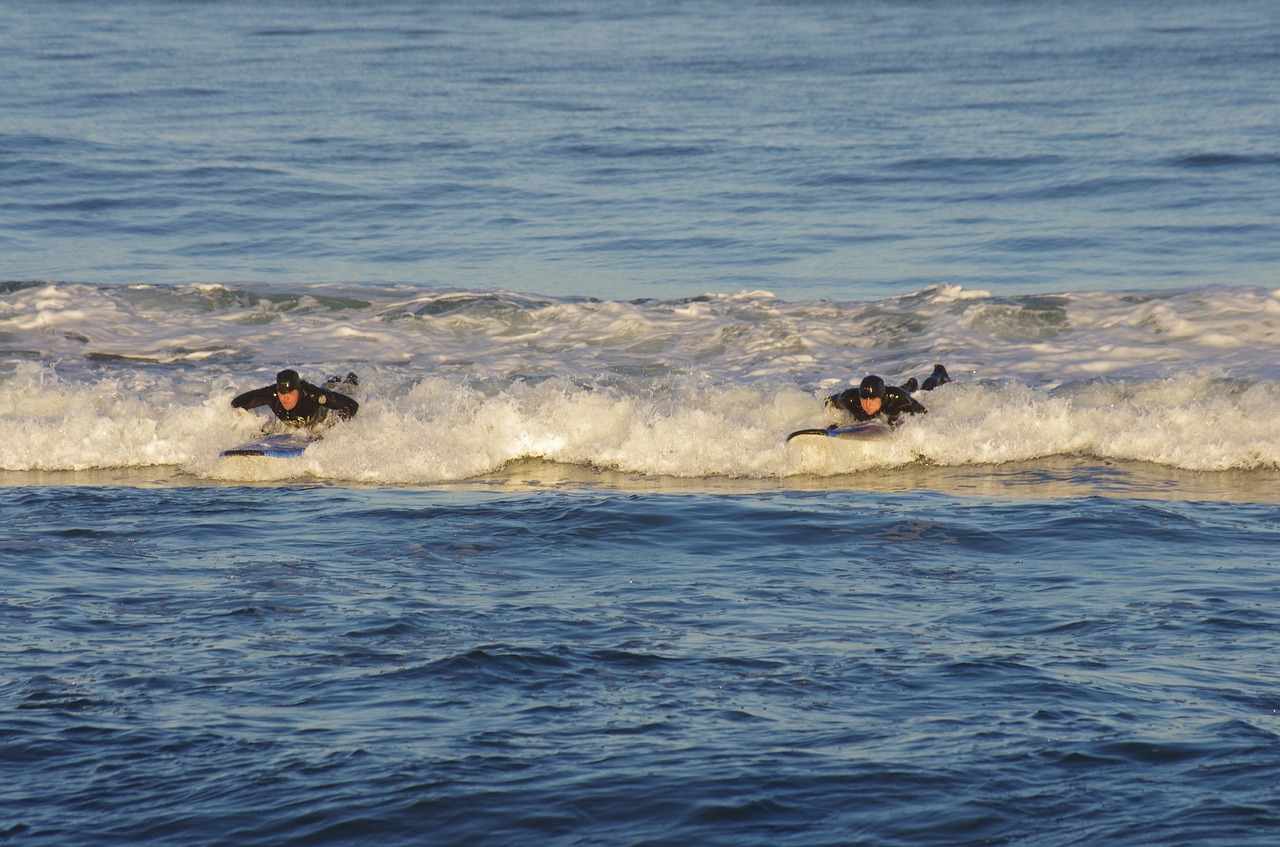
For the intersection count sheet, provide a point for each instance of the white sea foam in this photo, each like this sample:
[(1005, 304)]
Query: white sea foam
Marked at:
[(459, 384)]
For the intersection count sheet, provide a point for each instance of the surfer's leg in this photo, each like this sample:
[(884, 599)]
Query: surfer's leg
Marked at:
[(349, 381), (933, 380)]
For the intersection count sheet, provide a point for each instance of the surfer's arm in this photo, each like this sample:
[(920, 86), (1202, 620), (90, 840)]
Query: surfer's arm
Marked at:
[(255, 398), (342, 405), (847, 401), (898, 403)]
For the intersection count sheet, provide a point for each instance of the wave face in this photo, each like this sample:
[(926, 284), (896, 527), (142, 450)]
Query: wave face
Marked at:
[(455, 384)]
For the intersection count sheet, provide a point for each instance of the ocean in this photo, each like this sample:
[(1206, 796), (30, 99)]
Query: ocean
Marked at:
[(563, 580)]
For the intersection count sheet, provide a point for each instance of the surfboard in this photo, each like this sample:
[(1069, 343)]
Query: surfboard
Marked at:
[(287, 445), (868, 429)]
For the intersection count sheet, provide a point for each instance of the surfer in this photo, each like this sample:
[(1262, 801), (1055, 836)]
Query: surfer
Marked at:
[(872, 398), (298, 403)]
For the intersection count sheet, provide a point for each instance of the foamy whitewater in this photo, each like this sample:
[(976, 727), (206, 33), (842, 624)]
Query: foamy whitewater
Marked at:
[(458, 384)]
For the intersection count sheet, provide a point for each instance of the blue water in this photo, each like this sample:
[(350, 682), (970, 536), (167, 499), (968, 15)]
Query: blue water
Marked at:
[(347, 667), (643, 149), (317, 666), (562, 581)]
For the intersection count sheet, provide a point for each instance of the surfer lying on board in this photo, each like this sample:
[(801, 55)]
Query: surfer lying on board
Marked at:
[(873, 398), (297, 402)]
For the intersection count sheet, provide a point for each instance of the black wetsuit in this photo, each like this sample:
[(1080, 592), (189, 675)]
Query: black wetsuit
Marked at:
[(896, 402), (313, 406)]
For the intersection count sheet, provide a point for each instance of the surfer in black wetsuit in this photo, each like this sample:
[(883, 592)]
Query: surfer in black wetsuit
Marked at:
[(297, 402), (873, 398)]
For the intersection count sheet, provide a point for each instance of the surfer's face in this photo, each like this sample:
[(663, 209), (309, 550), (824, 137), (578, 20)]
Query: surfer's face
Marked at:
[(288, 399), (871, 405)]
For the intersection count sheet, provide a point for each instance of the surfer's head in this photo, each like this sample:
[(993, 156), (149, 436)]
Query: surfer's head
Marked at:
[(287, 384), (871, 394), (872, 387), (287, 381)]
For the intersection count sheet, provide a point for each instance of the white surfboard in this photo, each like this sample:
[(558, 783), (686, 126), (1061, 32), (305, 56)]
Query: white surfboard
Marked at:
[(287, 445), (870, 429)]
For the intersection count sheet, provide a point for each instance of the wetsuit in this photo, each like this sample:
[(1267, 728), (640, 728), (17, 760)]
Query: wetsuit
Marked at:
[(896, 402), (313, 406)]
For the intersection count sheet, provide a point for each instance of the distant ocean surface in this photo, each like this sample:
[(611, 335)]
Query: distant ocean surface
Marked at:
[(563, 581)]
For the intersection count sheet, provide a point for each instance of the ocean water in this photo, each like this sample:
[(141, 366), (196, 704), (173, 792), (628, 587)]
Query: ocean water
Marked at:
[(563, 580)]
